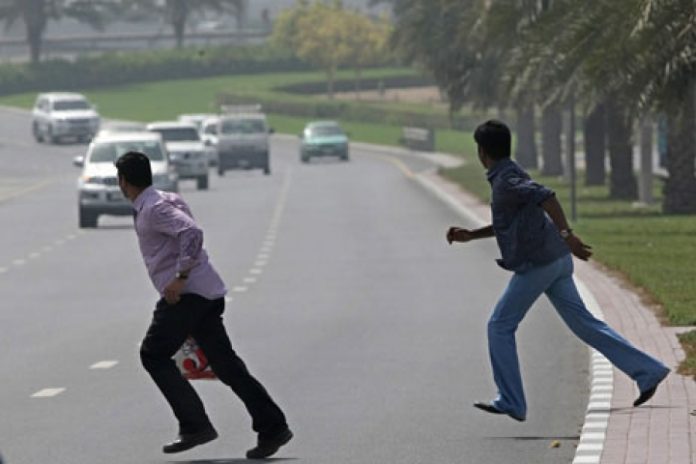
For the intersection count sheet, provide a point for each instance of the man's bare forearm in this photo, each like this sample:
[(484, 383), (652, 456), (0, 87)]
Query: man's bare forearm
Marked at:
[(483, 232), (555, 211)]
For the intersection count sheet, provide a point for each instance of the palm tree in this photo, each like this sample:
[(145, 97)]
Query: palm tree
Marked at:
[(178, 12), (36, 13)]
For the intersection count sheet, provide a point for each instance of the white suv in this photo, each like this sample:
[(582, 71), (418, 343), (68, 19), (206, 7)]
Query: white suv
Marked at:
[(98, 190), (186, 150), (61, 115)]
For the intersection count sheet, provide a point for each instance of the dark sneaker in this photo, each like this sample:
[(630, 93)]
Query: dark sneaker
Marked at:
[(268, 446), (648, 393), (490, 408), (187, 441)]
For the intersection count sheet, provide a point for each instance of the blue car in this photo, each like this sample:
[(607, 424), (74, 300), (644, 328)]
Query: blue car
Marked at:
[(323, 138)]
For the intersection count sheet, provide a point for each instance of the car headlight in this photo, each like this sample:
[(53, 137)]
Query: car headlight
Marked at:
[(93, 180)]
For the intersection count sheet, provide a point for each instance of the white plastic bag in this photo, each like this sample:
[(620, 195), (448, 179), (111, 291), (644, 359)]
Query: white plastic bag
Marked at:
[(192, 362)]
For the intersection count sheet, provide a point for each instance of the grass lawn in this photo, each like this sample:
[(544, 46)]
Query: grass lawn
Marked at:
[(655, 252)]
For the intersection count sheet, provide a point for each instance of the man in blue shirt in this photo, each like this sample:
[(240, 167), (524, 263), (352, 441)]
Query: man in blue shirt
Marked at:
[(536, 244)]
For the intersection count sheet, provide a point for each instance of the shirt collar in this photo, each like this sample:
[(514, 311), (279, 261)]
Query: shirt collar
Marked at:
[(140, 200), (498, 167)]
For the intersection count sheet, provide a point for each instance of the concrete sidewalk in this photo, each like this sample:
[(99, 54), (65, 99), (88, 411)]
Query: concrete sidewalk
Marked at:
[(663, 431)]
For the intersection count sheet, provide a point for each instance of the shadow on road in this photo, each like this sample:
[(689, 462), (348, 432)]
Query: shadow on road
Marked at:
[(230, 461), (533, 438)]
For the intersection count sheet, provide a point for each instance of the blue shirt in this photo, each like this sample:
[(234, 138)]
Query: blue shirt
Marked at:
[(526, 236)]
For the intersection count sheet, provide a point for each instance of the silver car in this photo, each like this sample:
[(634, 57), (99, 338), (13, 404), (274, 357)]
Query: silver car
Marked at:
[(243, 142), (186, 150), (98, 190), (57, 116)]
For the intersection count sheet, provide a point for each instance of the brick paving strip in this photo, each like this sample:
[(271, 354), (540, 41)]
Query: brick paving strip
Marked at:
[(663, 431)]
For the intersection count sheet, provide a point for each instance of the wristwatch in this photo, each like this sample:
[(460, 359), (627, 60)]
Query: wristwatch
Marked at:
[(182, 275), (565, 233)]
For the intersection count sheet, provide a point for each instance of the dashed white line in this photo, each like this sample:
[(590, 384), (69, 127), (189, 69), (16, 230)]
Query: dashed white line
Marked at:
[(59, 242), (260, 263), (71, 237), (48, 392), (103, 365), (3, 270), (46, 249), (239, 289), (255, 271), (262, 256), (249, 280), (19, 262), (229, 299), (34, 255)]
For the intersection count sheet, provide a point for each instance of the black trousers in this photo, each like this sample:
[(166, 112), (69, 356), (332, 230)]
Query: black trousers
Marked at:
[(202, 318)]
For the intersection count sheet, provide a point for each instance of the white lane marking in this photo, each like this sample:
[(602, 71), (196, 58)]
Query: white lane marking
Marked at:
[(19, 262), (249, 280), (262, 256), (592, 436), (31, 188), (229, 299), (103, 365), (255, 271), (48, 392), (239, 289), (46, 249), (3, 270), (71, 237), (592, 459), (34, 255), (582, 447), (260, 263), (59, 242), (266, 249)]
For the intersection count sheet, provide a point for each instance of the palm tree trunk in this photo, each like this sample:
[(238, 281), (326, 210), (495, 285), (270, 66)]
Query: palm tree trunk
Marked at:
[(525, 149), (34, 15), (622, 180), (680, 188), (552, 126), (178, 10), (595, 134)]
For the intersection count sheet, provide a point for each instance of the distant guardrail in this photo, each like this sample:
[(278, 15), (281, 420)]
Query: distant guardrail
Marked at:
[(69, 45)]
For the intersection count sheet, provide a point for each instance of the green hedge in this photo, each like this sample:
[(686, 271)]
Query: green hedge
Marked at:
[(132, 67), (315, 108)]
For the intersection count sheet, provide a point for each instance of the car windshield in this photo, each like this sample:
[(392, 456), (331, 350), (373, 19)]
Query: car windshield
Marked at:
[(324, 131), (67, 105), (109, 152), (179, 134), (243, 126)]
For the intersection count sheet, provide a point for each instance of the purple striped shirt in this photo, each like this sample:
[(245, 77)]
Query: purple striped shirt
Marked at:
[(171, 241)]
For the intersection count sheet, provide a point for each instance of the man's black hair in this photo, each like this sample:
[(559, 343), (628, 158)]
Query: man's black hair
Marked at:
[(134, 167), (493, 137)]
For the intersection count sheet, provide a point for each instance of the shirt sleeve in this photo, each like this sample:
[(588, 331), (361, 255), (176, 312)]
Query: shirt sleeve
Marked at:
[(172, 220), (524, 190)]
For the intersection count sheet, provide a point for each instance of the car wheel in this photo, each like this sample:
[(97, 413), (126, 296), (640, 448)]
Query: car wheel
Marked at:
[(221, 171), (37, 134), (50, 137), (267, 170), (202, 182), (304, 159), (344, 158), (88, 220)]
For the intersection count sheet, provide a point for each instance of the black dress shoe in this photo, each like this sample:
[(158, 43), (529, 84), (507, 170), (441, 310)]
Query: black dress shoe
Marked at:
[(268, 446), (187, 441), (488, 407), (647, 394)]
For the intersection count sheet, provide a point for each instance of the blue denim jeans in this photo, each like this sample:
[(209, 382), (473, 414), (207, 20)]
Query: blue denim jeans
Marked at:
[(556, 280)]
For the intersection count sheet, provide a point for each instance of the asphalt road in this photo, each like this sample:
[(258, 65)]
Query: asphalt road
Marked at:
[(346, 302)]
